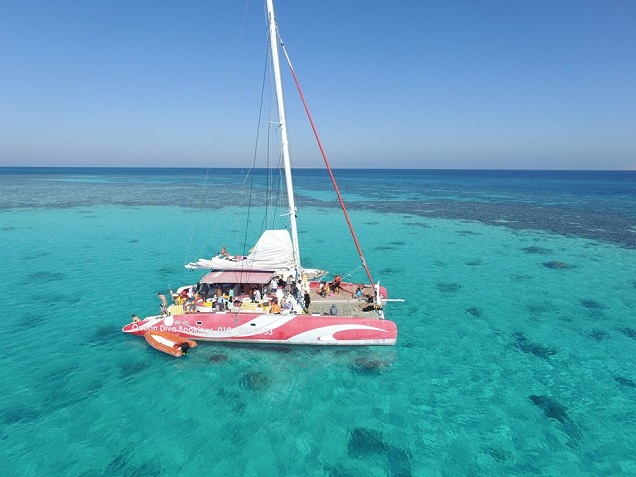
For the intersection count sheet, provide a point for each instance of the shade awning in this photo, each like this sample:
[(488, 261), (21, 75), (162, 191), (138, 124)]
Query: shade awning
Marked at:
[(237, 276)]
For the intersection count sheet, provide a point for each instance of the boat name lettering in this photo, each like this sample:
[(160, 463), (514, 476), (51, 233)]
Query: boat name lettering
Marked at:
[(211, 332)]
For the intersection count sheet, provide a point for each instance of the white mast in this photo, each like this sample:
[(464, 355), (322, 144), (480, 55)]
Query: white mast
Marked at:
[(273, 40)]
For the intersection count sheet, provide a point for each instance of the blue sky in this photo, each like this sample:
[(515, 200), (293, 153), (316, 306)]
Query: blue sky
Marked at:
[(500, 84)]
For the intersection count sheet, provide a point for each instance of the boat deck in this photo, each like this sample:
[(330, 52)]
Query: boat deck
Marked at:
[(344, 303)]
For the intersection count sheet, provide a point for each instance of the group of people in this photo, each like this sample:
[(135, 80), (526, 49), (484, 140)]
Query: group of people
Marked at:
[(188, 297), (334, 287), (279, 294)]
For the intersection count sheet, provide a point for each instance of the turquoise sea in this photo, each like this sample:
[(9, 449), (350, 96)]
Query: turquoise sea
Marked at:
[(515, 355)]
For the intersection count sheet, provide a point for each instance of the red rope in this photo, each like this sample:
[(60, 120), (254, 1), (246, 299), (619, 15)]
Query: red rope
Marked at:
[(324, 156)]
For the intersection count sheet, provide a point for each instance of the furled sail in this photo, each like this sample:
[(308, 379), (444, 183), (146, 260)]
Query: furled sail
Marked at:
[(273, 251)]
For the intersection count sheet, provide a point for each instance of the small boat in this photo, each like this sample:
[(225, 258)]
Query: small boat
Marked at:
[(169, 342)]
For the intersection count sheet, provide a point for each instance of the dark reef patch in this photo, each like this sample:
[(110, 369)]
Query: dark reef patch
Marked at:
[(35, 257), (255, 381), (218, 358), (122, 464), (419, 224), (538, 308), (384, 248), (556, 265), (527, 346), (592, 305), (20, 415), (521, 278), (46, 276), (389, 271), (467, 232), (500, 455), (534, 250), (367, 443), (551, 408), (474, 263), (556, 411), (369, 367), (165, 272), (30, 319), (628, 383), (130, 368), (337, 471), (597, 335), (474, 311), (446, 287), (103, 335), (630, 332), (364, 442)]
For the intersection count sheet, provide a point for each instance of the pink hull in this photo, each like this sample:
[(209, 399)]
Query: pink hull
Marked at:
[(267, 328)]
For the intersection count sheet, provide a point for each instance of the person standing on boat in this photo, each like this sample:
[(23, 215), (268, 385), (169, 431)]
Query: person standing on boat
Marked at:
[(307, 298), (219, 300), (336, 284), (299, 292), (163, 307)]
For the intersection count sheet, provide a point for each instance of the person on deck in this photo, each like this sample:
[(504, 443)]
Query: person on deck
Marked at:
[(336, 284), (324, 289), (219, 302), (275, 308), (307, 301), (135, 318), (163, 307)]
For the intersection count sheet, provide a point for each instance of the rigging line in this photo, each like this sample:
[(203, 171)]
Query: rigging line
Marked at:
[(255, 154), (194, 228), (226, 95), (348, 274), (324, 157), (253, 169)]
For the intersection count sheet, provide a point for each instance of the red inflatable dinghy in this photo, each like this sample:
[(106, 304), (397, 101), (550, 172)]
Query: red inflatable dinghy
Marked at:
[(169, 342)]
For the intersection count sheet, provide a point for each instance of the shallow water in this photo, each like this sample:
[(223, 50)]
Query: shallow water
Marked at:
[(516, 342)]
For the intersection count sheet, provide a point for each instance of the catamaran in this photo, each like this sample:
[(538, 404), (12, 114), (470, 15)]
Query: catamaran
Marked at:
[(267, 296)]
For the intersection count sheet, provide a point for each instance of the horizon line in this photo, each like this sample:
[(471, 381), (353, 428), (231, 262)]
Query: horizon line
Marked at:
[(320, 168)]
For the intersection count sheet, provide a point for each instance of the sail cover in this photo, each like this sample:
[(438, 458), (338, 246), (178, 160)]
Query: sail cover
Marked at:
[(273, 251)]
